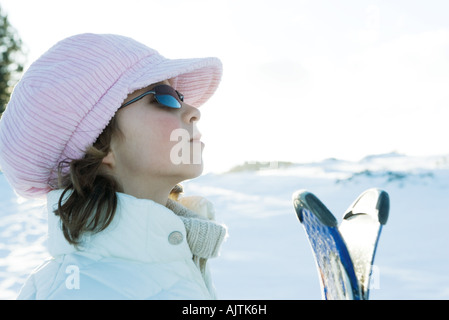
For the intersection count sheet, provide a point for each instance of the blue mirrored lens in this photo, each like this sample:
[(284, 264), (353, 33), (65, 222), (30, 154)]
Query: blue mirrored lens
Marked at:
[(168, 101)]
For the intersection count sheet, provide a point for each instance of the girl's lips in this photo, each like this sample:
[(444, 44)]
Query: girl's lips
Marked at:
[(197, 142), (196, 138)]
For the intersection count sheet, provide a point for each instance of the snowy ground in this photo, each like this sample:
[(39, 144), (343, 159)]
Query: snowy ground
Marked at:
[(267, 255)]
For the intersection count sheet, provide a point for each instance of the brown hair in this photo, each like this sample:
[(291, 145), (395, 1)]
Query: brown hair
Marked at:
[(92, 199)]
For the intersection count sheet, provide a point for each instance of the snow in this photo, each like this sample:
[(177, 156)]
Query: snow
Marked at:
[(267, 255)]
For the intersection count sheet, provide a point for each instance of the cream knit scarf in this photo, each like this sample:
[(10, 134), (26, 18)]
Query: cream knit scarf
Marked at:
[(204, 237)]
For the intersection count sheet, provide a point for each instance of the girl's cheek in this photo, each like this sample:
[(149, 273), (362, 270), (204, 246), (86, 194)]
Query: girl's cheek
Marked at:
[(168, 127)]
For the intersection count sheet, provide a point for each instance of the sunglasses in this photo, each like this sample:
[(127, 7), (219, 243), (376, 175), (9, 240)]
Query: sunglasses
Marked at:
[(164, 95)]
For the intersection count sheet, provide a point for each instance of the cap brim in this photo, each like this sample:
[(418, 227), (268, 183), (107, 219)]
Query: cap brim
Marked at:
[(196, 79)]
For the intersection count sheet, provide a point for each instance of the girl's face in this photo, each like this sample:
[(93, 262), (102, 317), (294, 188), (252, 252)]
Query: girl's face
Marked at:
[(157, 146)]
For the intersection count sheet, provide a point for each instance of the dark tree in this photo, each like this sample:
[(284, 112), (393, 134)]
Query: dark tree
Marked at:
[(12, 56)]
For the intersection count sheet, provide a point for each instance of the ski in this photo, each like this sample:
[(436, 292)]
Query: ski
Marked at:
[(344, 255), (361, 227), (338, 280)]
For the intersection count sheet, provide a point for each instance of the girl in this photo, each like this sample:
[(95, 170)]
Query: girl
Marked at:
[(94, 125)]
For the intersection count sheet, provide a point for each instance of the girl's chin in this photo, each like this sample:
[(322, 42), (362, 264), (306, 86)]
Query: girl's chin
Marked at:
[(190, 171)]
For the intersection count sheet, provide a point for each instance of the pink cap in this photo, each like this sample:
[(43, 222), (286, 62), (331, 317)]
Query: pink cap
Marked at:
[(68, 96)]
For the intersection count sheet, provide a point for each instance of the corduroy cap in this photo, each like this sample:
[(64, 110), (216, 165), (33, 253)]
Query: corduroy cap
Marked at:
[(69, 95)]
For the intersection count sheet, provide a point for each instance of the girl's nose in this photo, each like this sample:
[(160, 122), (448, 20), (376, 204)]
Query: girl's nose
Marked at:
[(191, 114)]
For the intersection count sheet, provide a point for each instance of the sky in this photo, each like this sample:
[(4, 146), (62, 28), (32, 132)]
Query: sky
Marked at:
[(303, 80)]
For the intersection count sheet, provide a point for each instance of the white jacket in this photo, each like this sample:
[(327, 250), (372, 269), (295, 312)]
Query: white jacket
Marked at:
[(143, 254)]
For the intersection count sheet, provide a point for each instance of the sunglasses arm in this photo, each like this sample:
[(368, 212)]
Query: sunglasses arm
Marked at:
[(137, 98)]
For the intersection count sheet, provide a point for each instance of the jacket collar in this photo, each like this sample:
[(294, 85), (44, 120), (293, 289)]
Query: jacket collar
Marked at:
[(142, 230)]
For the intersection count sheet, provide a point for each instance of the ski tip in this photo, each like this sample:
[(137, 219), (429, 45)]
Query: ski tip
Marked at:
[(298, 200), (304, 200), (374, 202), (383, 205)]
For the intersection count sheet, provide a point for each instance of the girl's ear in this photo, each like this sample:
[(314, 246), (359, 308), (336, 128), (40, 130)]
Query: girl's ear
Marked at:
[(109, 160)]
